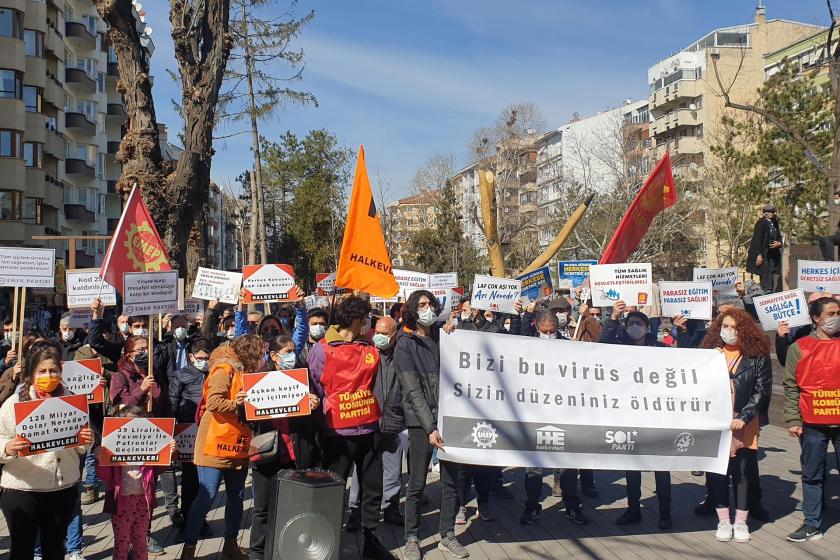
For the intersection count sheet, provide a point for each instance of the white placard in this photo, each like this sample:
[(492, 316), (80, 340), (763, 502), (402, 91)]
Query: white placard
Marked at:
[(27, 268), (819, 276), (443, 280), (629, 282), (529, 402), (723, 279), (692, 300), (408, 280), (84, 286), (193, 306), (790, 307), (80, 318), (220, 285), (313, 302), (150, 293), (495, 294)]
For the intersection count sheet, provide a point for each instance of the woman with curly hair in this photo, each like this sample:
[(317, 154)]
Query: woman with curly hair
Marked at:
[(747, 352), (221, 444)]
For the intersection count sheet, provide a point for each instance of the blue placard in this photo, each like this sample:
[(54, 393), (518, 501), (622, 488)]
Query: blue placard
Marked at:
[(534, 282), (575, 271)]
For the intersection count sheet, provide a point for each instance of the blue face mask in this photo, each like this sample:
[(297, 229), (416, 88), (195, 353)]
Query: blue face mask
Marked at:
[(287, 361), (284, 321)]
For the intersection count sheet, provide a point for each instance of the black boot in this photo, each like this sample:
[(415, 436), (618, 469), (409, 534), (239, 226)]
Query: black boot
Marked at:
[(374, 549)]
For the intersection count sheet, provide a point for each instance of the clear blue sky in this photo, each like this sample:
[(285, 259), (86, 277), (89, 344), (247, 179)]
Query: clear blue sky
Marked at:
[(410, 79)]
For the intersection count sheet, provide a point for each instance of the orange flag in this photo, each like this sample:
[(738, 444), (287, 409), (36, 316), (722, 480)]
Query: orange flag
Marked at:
[(135, 246), (364, 263)]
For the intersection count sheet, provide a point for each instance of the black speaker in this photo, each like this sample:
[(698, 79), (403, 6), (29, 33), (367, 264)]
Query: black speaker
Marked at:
[(304, 519)]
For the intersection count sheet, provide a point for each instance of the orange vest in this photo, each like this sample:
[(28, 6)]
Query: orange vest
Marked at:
[(227, 437), (818, 379), (348, 376)]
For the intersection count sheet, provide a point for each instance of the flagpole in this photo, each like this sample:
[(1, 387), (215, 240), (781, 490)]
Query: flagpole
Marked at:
[(15, 318), (22, 317), (150, 367)]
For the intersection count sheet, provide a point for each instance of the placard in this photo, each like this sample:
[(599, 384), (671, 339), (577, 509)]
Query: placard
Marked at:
[(629, 282), (84, 286), (276, 394), (51, 424), (265, 283), (150, 293), (536, 283), (27, 267), (185, 434), (790, 307), (495, 294), (137, 441), (443, 280), (325, 284), (220, 285), (819, 276), (408, 280), (692, 300), (723, 279), (574, 272), (83, 377), (313, 302), (80, 318), (193, 306)]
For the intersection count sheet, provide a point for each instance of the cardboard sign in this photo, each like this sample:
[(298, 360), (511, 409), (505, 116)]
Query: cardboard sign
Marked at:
[(276, 394), (723, 279), (692, 300), (443, 280), (149, 293), (535, 283), (83, 377), (325, 284), (790, 307), (51, 424), (629, 282), (495, 294), (819, 276), (185, 434), (219, 285), (80, 318), (314, 302), (27, 268), (574, 273), (84, 286), (268, 282), (137, 441), (193, 306)]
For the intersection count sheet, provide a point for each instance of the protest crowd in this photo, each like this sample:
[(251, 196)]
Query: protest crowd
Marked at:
[(356, 384)]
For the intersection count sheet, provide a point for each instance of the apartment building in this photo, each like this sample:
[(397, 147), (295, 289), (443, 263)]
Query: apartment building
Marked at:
[(407, 215), (465, 183)]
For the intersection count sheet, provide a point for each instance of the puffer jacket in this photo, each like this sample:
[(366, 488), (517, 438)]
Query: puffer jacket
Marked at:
[(417, 363), (185, 388)]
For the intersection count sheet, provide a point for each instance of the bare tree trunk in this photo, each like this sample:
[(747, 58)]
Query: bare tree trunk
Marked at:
[(252, 229), (489, 213)]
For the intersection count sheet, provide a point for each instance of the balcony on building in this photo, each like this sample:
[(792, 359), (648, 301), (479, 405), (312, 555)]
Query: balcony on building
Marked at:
[(117, 112), (79, 123), (78, 35), (528, 177), (78, 211), (75, 168), (56, 145), (77, 80)]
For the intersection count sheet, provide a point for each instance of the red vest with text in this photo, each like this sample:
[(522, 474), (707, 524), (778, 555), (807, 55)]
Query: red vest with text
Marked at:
[(348, 376), (818, 379)]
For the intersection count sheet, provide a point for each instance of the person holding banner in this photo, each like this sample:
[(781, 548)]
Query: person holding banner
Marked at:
[(39, 491), (747, 352), (811, 413), (132, 385)]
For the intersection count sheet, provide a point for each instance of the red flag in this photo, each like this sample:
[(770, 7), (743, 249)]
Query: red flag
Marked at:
[(135, 246), (656, 194)]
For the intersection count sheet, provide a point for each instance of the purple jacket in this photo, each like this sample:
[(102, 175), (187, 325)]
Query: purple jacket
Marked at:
[(112, 477)]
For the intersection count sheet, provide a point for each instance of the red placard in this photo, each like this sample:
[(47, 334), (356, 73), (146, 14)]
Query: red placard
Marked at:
[(185, 434), (82, 378), (51, 424), (137, 441), (268, 282), (276, 394)]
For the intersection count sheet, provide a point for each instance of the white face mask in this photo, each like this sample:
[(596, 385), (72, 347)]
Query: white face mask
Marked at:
[(67, 336), (427, 317), (287, 360), (728, 336), (831, 325), (200, 365), (140, 332), (562, 319), (124, 328), (548, 335), (636, 331), (231, 334), (317, 331), (837, 202), (465, 316), (180, 333)]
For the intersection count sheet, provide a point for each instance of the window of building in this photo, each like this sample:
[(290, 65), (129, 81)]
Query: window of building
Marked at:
[(89, 108), (33, 43), (32, 211), (9, 205), (33, 98), (11, 143), (100, 80), (88, 65), (86, 152), (33, 154), (100, 165), (90, 23), (11, 23), (11, 84)]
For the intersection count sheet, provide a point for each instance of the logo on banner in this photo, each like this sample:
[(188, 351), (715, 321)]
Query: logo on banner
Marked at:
[(684, 442), (143, 249), (484, 435), (621, 440), (551, 438)]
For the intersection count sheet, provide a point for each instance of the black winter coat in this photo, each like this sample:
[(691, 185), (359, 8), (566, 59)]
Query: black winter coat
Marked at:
[(417, 363), (389, 396), (753, 381), (185, 389)]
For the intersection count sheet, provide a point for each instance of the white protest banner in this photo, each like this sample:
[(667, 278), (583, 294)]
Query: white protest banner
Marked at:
[(276, 394), (51, 424), (692, 300), (629, 282), (27, 268), (495, 294), (137, 441), (819, 276), (723, 279), (443, 280), (408, 280), (221, 285), (80, 318), (185, 434), (149, 293), (193, 306), (530, 402), (84, 286), (790, 307)]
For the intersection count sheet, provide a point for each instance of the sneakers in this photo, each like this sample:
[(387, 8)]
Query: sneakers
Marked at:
[(531, 514), (436, 468), (451, 545), (354, 521), (577, 516), (805, 533), (485, 512), (724, 532), (632, 515), (90, 495), (740, 532), (461, 516), (75, 555), (393, 516), (374, 549), (412, 551), (154, 549), (188, 553)]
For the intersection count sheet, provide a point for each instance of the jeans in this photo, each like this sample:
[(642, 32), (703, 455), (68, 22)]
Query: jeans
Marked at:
[(169, 486), (485, 480), (209, 480), (30, 513), (341, 453), (568, 484), (261, 478), (814, 443), (741, 471), (419, 457), (392, 482), (89, 470), (663, 490)]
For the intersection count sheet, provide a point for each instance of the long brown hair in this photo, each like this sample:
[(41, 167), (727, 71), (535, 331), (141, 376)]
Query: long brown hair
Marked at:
[(250, 351), (37, 353), (751, 340)]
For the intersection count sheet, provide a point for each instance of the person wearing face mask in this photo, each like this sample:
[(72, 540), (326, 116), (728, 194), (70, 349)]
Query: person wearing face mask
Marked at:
[(786, 336), (563, 310), (812, 365), (764, 257), (132, 385), (123, 327), (317, 327), (215, 327), (69, 338), (113, 349), (635, 331), (176, 345), (747, 353)]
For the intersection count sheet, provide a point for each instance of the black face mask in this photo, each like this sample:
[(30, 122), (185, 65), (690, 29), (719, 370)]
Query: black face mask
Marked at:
[(270, 334), (142, 361)]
